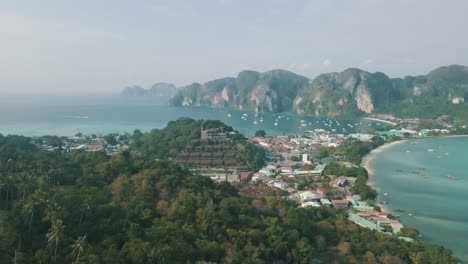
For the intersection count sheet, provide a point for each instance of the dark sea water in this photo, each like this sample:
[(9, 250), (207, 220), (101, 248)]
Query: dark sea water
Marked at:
[(428, 179), (102, 114)]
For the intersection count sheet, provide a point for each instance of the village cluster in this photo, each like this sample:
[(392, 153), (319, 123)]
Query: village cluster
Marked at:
[(294, 167)]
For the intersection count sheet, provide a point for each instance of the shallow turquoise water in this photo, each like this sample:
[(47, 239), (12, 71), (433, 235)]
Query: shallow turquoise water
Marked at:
[(66, 115), (428, 178)]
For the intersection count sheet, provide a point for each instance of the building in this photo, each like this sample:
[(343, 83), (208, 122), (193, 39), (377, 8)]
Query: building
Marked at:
[(340, 203), (325, 202), (308, 196), (339, 182), (305, 159), (322, 191), (245, 176), (361, 206), (310, 204), (365, 223), (396, 225), (215, 134), (309, 170)]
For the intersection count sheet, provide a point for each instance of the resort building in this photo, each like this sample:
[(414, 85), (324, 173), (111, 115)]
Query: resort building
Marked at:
[(365, 223), (215, 134), (340, 203)]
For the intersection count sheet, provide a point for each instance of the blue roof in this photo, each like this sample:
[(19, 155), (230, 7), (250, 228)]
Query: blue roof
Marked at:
[(365, 223)]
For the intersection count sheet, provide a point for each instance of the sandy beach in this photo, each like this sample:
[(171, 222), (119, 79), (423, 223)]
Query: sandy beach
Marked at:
[(369, 157), (380, 120), (366, 164)]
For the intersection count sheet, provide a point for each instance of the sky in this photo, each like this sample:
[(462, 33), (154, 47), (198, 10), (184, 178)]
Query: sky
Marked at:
[(68, 46)]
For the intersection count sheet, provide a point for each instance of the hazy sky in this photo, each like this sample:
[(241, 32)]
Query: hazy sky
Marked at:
[(105, 45)]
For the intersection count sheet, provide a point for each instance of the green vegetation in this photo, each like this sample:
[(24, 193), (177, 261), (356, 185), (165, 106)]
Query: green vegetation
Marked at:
[(260, 133), (355, 150), (61, 207), (167, 142), (158, 89), (353, 92)]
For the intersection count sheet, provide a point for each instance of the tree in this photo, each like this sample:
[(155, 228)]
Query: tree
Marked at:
[(54, 235), (260, 133), (78, 247), (110, 139)]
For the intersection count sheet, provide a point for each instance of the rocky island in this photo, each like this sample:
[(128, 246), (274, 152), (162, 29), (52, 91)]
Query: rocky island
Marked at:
[(353, 92)]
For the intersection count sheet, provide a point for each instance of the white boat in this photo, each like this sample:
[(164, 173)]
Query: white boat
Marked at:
[(430, 150), (229, 115), (276, 124)]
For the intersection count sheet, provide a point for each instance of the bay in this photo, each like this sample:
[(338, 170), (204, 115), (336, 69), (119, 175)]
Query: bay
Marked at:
[(427, 180), (102, 114)]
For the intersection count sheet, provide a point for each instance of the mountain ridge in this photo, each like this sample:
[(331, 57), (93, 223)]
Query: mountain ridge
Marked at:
[(352, 92), (158, 89)]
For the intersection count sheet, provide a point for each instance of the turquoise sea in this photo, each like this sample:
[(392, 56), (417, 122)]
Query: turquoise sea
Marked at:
[(413, 174), (102, 114), (427, 180)]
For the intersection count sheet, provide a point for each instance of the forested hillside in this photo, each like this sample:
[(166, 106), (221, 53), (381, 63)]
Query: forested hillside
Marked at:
[(353, 92), (79, 207)]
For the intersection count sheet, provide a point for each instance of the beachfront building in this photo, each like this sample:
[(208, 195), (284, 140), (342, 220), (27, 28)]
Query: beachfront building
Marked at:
[(340, 203), (361, 206), (365, 223)]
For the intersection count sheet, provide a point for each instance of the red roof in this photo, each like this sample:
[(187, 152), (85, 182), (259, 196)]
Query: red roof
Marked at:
[(244, 176)]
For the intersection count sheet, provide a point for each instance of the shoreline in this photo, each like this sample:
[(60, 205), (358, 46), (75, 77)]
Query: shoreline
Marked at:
[(381, 120), (365, 163)]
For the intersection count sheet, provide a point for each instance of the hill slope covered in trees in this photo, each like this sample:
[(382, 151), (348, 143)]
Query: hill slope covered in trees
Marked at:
[(79, 207), (353, 92)]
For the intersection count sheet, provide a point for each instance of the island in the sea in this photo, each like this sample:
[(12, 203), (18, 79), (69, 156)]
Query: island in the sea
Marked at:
[(353, 92), (158, 90)]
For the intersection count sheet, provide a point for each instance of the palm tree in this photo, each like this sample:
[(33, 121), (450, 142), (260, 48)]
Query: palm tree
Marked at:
[(51, 212), (78, 247), (54, 235), (33, 201)]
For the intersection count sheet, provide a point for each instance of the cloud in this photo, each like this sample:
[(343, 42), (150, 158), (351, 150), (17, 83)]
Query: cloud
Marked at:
[(48, 30), (366, 63), (327, 63), (300, 67), (292, 66), (173, 8), (409, 61)]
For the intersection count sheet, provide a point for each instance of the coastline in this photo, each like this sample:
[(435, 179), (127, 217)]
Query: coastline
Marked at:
[(381, 120), (365, 163)]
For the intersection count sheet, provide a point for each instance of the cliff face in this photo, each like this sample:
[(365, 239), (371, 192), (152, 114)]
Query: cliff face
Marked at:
[(158, 89), (272, 91), (353, 92)]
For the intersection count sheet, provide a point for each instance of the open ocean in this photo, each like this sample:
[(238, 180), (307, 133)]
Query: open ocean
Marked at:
[(428, 179), (102, 114)]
